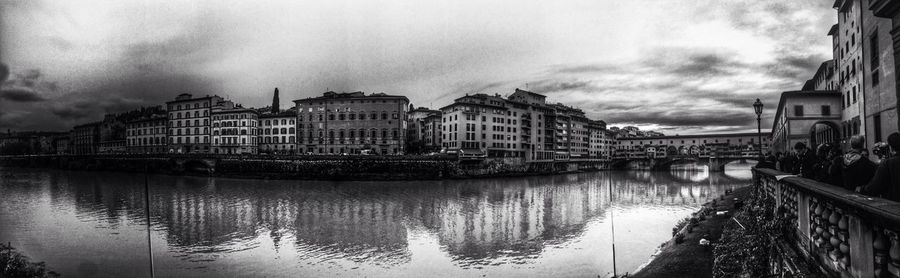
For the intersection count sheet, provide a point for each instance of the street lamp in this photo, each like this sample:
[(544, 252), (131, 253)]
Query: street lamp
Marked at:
[(758, 106)]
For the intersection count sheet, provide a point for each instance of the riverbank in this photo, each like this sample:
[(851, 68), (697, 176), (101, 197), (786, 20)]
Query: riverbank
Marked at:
[(14, 264), (308, 167), (684, 255)]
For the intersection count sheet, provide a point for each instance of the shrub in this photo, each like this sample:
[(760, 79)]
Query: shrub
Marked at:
[(14, 264), (746, 251)]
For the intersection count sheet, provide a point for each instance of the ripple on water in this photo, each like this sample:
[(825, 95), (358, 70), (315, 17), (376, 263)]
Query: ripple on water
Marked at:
[(524, 226)]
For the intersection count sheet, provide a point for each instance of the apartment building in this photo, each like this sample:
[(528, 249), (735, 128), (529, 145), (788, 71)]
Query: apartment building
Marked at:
[(352, 123), (146, 135), (189, 123), (277, 132), (423, 130), (234, 129)]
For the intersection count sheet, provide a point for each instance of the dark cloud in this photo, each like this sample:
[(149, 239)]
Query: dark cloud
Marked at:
[(757, 17), (585, 69), (83, 108), (696, 90), (26, 87), (20, 95), (549, 86), (73, 111), (706, 87), (148, 74), (692, 62), (127, 94), (704, 64), (799, 67)]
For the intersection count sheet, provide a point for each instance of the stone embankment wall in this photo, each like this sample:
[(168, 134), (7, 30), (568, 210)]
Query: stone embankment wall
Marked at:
[(320, 167)]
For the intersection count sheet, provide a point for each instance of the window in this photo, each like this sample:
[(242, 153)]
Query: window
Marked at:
[(874, 60), (826, 110), (798, 110), (877, 126)]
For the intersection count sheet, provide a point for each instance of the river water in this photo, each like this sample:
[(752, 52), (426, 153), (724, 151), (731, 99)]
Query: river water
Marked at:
[(92, 224)]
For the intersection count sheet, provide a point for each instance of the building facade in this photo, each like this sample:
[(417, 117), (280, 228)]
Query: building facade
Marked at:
[(146, 136), (112, 135), (571, 135), (601, 141), (234, 129), (352, 123), (807, 117), (85, 138), (521, 125), (888, 9), (189, 123), (62, 143), (537, 125), (483, 125), (824, 78), (31, 142), (423, 130), (848, 60), (879, 78), (277, 132)]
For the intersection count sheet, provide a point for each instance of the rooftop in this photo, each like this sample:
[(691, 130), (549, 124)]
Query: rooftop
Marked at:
[(358, 94)]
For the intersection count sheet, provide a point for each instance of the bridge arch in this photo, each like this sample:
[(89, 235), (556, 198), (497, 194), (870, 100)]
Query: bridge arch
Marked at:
[(667, 163), (672, 150)]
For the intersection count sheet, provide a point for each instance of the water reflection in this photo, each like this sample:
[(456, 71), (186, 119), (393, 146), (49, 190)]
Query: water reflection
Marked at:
[(372, 227)]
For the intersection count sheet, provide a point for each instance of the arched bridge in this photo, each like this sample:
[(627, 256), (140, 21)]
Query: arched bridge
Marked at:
[(715, 163), (194, 164)]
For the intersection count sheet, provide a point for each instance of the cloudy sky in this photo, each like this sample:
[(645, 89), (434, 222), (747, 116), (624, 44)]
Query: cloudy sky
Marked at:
[(687, 66)]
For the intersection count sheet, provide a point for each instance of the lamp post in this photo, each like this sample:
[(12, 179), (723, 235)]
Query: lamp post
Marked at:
[(758, 107)]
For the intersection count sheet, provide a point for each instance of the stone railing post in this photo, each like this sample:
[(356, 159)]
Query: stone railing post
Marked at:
[(778, 192), (861, 250), (803, 219), (894, 266), (880, 246)]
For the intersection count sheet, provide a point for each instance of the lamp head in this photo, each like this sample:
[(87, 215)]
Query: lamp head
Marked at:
[(758, 106)]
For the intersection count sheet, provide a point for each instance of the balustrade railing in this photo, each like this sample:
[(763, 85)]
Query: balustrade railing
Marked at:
[(846, 233)]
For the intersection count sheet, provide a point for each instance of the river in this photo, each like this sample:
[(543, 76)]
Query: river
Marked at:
[(93, 223)]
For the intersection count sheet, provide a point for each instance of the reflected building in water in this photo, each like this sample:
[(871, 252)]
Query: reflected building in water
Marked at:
[(474, 220)]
